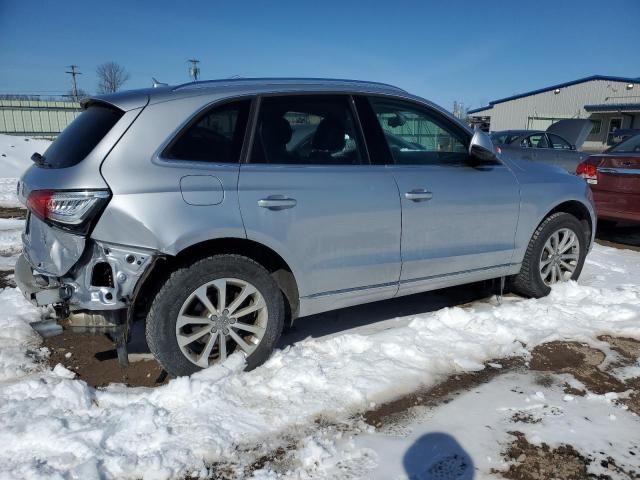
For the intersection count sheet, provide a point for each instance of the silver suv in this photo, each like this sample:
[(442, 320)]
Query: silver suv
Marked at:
[(218, 211)]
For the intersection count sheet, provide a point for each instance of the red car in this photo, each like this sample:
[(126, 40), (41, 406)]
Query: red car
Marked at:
[(614, 176)]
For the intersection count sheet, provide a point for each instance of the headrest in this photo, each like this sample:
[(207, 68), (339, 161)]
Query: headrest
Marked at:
[(276, 131), (329, 136)]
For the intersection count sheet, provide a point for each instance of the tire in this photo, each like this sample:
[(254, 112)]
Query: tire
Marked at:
[(529, 282), (180, 297)]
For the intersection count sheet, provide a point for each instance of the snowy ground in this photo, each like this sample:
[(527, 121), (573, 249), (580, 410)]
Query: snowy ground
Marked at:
[(15, 158), (55, 426), (299, 415)]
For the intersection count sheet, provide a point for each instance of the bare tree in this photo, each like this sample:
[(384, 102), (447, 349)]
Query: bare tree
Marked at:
[(111, 77)]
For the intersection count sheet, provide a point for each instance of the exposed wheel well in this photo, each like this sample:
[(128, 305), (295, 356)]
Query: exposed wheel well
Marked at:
[(269, 259), (578, 210)]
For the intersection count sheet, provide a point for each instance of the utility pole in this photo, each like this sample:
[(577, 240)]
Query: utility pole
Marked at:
[(194, 71), (73, 74)]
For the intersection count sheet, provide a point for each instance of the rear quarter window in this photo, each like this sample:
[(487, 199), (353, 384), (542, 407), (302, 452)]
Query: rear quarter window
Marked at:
[(81, 136)]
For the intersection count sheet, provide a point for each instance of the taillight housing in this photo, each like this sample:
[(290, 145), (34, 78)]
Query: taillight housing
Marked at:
[(589, 170), (70, 210)]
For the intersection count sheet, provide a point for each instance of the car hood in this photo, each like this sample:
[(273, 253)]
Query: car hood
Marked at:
[(573, 130)]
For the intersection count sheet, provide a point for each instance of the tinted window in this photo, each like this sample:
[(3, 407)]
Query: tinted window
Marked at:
[(630, 145), (318, 129), (559, 143), (537, 140), (416, 136), (81, 136), (499, 139), (215, 136)]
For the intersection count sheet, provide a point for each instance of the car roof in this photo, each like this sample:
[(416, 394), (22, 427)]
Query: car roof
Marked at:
[(127, 100), (235, 87), (516, 132)]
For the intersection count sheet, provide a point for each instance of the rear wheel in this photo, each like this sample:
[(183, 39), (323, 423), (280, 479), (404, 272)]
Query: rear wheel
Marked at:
[(211, 309), (555, 254)]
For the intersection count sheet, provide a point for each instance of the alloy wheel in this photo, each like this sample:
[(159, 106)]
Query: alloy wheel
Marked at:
[(559, 257), (220, 317)]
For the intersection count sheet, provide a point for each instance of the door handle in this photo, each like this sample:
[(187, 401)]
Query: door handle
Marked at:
[(418, 195), (277, 202)]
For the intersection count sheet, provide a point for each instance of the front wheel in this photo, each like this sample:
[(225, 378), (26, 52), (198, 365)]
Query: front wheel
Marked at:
[(211, 309), (555, 254)]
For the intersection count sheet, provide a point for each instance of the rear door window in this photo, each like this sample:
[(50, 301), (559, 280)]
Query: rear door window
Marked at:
[(559, 143), (215, 136), (307, 130), (81, 136), (537, 140)]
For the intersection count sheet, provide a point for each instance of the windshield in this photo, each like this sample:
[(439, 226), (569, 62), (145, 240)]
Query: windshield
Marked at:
[(81, 136), (630, 145)]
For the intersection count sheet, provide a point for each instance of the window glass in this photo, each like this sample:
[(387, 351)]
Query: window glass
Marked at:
[(415, 136), (559, 143), (81, 136), (216, 136), (630, 145), (537, 140), (306, 130)]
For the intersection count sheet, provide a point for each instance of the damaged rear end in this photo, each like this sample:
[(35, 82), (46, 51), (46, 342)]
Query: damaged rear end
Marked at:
[(89, 283)]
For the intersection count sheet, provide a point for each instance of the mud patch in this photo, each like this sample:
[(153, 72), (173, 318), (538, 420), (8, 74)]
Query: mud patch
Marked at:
[(541, 462), (442, 393), (13, 212), (5, 281), (579, 360), (93, 358)]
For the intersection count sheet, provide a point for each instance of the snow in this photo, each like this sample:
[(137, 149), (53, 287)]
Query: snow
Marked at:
[(15, 154), (177, 428), (10, 244), (593, 424), (15, 158)]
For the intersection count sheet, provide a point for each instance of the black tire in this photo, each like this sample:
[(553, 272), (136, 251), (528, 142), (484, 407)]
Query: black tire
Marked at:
[(163, 314), (528, 282)]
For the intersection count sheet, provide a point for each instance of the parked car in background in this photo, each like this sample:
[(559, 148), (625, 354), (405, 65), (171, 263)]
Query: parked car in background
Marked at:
[(621, 134), (614, 177), (214, 212), (559, 145)]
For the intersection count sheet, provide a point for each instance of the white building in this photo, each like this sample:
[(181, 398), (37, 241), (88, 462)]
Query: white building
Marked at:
[(611, 103)]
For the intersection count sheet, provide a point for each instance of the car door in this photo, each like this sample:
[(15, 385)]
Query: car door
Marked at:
[(310, 193), (458, 217), (566, 156), (536, 148)]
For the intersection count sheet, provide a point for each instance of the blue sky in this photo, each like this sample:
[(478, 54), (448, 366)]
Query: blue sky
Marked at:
[(445, 51)]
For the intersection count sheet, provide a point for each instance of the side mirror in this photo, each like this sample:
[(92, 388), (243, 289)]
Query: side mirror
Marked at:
[(482, 148)]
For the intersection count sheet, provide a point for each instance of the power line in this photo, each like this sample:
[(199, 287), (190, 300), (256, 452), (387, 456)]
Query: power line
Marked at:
[(73, 74), (194, 71)]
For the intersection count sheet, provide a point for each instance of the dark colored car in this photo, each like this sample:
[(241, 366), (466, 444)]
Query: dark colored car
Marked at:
[(621, 135), (614, 177), (558, 145)]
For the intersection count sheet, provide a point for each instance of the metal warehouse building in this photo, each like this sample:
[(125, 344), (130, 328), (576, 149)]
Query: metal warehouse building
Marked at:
[(36, 118), (611, 103)]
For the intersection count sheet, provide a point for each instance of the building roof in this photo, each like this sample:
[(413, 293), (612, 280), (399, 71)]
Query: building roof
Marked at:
[(559, 85), (613, 107)]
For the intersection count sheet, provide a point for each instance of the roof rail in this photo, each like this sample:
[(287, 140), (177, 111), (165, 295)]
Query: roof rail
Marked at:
[(222, 81)]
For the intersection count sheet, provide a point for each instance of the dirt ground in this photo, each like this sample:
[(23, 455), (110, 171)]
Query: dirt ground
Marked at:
[(539, 462), (94, 360)]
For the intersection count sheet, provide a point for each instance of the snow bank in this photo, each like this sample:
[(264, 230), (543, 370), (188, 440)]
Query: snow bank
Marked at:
[(15, 154), (15, 158), (53, 426)]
